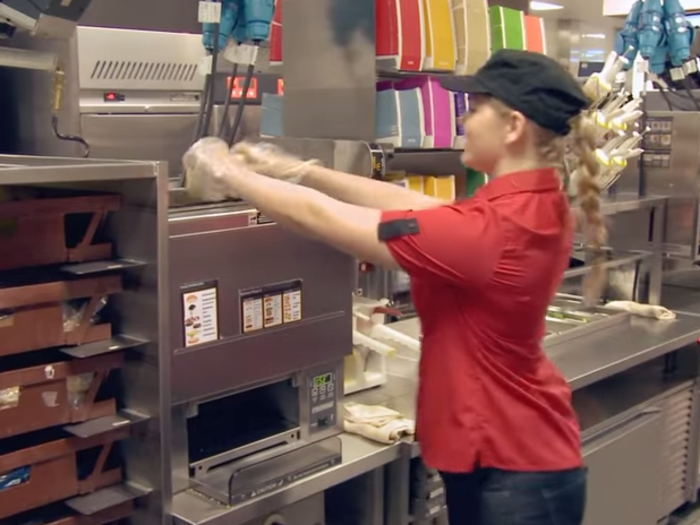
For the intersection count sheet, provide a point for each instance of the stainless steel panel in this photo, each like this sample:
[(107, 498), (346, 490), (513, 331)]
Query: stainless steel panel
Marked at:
[(349, 156), (147, 137), (682, 237), (305, 512), (623, 473), (161, 15), (671, 167), (359, 501), (333, 95), (657, 101), (629, 179), (153, 137), (119, 59), (215, 246), (33, 98), (681, 177), (140, 230)]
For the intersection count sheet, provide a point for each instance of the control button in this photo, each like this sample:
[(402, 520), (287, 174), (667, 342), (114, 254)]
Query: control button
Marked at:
[(314, 391), (323, 389), (323, 422), (331, 387)]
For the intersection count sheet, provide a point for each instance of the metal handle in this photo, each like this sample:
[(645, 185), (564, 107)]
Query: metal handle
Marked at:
[(605, 436)]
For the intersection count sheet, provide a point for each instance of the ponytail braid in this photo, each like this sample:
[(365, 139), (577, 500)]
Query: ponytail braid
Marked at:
[(583, 145)]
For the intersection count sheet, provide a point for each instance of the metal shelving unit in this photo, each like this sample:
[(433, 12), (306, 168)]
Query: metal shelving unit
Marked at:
[(136, 316)]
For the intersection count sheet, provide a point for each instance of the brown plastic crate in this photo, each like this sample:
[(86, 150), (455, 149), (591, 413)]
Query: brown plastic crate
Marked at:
[(31, 316), (54, 473), (33, 231), (51, 394)]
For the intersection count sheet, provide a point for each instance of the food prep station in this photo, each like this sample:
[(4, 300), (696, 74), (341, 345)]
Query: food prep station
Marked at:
[(227, 339), (248, 424)]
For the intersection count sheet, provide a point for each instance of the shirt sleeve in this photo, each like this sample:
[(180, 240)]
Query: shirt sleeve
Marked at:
[(459, 244)]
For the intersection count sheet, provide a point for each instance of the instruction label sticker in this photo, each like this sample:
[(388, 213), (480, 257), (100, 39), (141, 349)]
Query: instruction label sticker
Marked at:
[(200, 304), (378, 161), (209, 12), (271, 306)]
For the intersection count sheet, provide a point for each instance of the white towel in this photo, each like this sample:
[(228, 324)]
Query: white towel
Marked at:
[(377, 423), (642, 310)]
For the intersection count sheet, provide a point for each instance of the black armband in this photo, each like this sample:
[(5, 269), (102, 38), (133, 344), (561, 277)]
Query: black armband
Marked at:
[(397, 228)]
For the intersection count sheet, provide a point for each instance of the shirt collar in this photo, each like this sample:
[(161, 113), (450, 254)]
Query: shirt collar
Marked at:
[(546, 179)]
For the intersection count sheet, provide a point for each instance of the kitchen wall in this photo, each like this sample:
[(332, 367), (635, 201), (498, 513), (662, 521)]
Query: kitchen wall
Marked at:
[(572, 41)]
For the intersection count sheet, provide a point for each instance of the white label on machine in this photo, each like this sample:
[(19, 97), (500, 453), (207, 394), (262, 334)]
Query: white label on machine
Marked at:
[(209, 12), (201, 316), (252, 314), (273, 310), (292, 306), (205, 65), (243, 54)]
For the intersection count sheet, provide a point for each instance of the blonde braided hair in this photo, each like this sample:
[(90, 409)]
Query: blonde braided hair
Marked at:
[(581, 142), (583, 145)]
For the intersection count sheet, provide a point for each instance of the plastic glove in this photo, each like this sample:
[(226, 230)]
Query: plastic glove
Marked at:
[(272, 161), (206, 164)]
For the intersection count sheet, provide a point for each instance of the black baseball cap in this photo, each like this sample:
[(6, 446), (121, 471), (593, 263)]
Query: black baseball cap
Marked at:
[(530, 83)]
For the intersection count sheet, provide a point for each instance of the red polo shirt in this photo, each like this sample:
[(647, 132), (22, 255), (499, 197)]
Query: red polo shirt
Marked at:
[(483, 272)]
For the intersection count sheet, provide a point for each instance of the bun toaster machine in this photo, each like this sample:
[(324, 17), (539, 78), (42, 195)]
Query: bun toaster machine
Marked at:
[(263, 323)]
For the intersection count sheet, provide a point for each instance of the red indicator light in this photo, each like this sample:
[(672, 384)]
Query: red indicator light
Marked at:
[(237, 91), (114, 97)]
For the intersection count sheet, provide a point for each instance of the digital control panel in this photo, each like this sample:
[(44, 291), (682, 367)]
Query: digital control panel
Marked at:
[(323, 401)]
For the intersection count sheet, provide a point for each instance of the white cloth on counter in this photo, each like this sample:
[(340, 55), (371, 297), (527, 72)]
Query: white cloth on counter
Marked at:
[(377, 423), (642, 310)]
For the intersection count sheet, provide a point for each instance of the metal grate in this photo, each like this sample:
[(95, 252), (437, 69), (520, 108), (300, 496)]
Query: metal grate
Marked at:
[(125, 59), (675, 451), (143, 71)]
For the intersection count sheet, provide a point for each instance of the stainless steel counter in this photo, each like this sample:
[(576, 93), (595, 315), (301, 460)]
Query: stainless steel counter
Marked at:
[(359, 457), (598, 355), (583, 361)]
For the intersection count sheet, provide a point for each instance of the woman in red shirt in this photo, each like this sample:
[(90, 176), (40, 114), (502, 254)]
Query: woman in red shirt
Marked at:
[(494, 415)]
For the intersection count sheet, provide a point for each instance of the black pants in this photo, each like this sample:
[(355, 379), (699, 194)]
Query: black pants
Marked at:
[(498, 497)]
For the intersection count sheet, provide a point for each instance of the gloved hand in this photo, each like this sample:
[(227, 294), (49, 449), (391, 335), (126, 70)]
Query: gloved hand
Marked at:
[(206, 164), (270, 160)]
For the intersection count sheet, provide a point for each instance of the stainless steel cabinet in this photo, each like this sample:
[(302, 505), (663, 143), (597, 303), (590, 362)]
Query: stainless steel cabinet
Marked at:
[(623, 463)]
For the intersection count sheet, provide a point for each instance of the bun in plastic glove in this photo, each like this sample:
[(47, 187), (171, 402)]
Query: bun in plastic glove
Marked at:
[(272, 161), (206, 164)]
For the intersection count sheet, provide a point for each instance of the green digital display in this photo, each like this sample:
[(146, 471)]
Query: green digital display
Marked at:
[(322, 380)]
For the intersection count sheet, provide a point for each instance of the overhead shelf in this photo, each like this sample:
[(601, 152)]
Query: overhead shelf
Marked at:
[(615, 261), (614, 204), (387, 73)]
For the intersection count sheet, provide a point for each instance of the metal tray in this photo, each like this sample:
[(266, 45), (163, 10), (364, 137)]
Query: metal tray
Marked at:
[(569, 319)]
